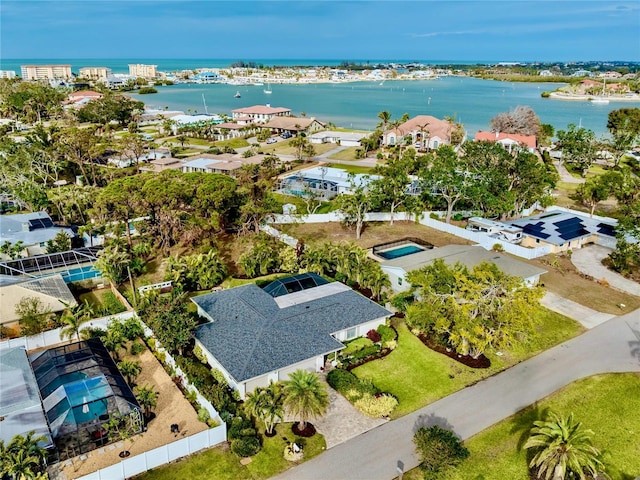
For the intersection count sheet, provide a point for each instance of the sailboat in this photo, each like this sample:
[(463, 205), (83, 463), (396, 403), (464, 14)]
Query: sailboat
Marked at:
[(268, 89), (601, 100), (237, 95)]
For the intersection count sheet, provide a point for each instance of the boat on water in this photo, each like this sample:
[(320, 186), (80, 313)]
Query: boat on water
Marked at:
[(237, 95), (268, 89), (257, 84)]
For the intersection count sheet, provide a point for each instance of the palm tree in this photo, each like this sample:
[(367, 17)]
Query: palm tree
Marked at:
[(385, 118), (130, 369), (562, 448), (147, 398), (305, 396), (23, 456), (73, 318), (266, 404), (114, 340)]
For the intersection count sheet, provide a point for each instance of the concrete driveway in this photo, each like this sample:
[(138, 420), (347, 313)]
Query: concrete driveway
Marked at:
[(588, 260), (613, 346)]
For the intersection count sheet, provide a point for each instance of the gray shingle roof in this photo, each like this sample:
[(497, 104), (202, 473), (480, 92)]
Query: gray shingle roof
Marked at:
[(251, 336), (470, 256)]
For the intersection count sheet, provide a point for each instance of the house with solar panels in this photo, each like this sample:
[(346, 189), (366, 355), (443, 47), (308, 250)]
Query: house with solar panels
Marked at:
[(33, 229), (258, 335), (566, 230)]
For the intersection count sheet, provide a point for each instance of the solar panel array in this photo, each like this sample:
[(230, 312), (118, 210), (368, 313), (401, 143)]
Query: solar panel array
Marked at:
[(570, 228), (36, 223), (535, 229), (606, 229)]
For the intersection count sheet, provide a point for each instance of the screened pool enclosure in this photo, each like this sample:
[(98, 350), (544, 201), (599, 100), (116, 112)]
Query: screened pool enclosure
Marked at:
[(81, 388)]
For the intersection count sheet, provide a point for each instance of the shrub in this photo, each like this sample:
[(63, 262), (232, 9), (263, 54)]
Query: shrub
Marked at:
[(203, 415), (151, 342), (352, 387), (498, 247), (374, 336), (199, 354), (391, 344), (137, 348), (245, 446), (387, 333), (161, 356), (92, 332), (238, 425), (219, 377), (376, 406), (438, 450), (434, 216)]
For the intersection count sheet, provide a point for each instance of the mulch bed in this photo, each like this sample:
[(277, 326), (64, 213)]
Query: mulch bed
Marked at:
[(469, 361), (309, 430)]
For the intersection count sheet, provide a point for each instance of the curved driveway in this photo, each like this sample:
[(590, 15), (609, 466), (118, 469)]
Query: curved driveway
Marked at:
[(613, 346)]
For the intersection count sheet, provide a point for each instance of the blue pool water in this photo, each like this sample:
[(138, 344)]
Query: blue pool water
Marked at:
[(400, 252), (80, 273)]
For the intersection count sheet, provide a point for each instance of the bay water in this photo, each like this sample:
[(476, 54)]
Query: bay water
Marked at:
[(470, 101)]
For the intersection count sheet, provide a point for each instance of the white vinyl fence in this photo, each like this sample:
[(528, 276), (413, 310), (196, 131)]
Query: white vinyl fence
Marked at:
[(480, 238), (52, 337), (161, 455)]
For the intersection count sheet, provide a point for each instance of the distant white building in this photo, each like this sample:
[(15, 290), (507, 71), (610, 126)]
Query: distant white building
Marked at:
[(145, 71), (345, 139), (7, 74), (46, 72), (95, 73)]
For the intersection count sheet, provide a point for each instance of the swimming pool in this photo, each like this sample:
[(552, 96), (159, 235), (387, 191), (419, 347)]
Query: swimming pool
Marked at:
[(81, 273), (400, 252)]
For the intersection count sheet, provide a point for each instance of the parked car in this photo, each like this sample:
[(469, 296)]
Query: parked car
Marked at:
[(271, 140), (286, 135)]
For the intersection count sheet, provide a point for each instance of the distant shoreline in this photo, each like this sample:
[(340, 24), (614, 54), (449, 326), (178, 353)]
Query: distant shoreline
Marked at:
[(580, 97)]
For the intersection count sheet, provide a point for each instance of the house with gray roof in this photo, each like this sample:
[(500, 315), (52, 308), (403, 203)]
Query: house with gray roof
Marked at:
[(468, 255), (33, 229), (255, 336)]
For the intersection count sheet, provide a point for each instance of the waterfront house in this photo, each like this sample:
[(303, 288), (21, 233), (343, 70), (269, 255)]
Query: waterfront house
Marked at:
[(345, 139), (260, 113), (426, 132), (509, 140), (255, 336), (164, 163), (293, 125), (468, 255)]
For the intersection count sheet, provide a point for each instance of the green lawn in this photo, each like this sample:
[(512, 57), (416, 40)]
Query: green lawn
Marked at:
[(418, 376), (346, 154), (606, 404), (352, 168), (221, 464)]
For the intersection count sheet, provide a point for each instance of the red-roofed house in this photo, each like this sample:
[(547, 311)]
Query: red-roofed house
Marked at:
[(82, 97), (260, 113), (429, 132), (508, 140)]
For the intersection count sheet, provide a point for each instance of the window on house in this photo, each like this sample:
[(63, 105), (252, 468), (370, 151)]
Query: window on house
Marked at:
[(351, 333), (537, 240), (399, 281)]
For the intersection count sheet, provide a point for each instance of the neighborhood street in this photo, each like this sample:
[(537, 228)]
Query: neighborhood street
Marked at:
[(612, 346)]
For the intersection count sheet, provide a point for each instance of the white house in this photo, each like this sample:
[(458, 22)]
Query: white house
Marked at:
[(468, 255), (254, 336)]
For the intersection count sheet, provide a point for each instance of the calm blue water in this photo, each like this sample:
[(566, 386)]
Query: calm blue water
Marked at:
[(400, 252), (473, 102)]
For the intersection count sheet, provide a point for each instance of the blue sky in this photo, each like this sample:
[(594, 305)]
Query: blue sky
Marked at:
[(515, 30)]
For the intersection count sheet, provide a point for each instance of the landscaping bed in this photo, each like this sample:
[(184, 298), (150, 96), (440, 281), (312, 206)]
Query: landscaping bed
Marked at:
[(468, 360)]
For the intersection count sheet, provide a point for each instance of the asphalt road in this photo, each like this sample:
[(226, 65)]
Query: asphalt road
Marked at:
[(613, 346)]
